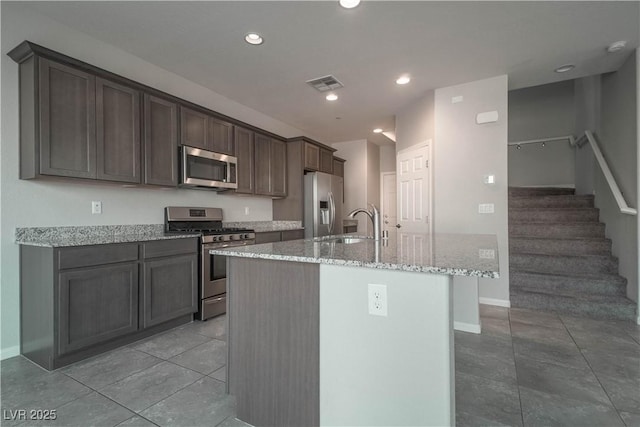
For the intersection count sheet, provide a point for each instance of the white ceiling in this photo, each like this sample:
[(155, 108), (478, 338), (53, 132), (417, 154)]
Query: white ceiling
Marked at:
[(366, 48)]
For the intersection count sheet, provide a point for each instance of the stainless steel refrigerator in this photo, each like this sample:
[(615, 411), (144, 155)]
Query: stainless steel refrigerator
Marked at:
[(322, 204)]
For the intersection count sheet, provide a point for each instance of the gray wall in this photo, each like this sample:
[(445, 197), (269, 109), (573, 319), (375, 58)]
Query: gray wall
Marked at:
[(40, 203), (542, 112), (388, 158), (415, 122), (587, 101), (463, 152), (619, 144), (361, 178)]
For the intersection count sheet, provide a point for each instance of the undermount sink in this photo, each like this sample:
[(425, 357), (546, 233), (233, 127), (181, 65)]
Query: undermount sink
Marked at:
[(343, 239)]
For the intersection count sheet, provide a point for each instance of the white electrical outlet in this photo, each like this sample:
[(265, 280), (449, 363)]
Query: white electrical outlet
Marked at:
[(486, 254), (457, 99), (96, 207), (377, 300), (486, 208)]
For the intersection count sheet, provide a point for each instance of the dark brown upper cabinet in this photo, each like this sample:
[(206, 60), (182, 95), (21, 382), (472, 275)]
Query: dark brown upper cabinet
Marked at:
[(117, 132), (326, 161), (311, 157), (201, 130), (193, 128), (270, 166), (160, 141), (66, 124), (221, 134), (278, 168), (87, 127), (245, 156), (338, 166)]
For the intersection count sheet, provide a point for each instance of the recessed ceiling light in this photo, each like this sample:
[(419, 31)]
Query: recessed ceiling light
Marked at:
[(403, 80), (253, 38), (616, 46), (349, 4), (564, 68), (377, 130), (332, 97)]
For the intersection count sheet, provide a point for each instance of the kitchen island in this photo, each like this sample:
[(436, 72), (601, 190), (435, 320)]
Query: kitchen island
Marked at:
[(305, 350)]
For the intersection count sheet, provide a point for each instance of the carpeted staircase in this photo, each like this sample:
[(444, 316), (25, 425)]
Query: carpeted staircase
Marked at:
[(559, 258)]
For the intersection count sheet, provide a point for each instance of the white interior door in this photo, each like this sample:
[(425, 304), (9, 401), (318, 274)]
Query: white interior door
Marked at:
[(389, 200), (414, 188)]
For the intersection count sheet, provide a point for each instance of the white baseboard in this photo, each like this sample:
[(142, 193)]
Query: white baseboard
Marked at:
[(9, 352), (466, 327), (493, 301)]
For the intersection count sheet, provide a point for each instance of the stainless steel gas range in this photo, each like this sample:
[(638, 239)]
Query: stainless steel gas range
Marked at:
[(213, 268)]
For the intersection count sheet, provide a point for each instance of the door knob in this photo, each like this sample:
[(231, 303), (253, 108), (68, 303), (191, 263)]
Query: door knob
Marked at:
[(398, 226)]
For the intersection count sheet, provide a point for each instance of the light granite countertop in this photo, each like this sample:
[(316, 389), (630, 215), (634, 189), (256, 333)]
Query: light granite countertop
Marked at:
[(452, 254), (67, 236), (93, 235)]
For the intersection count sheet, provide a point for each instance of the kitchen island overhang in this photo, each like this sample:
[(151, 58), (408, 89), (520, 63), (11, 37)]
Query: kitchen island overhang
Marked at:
[(304, 350)]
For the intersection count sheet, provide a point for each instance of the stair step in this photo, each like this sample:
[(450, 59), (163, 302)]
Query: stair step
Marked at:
[(557, 229), (561, 284), (585, 201), (540, 191), (553, 246), (592, 306), (553, 214), (564, 264)]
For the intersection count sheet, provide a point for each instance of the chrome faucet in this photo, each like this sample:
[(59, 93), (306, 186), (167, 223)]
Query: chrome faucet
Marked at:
[(374, 216)]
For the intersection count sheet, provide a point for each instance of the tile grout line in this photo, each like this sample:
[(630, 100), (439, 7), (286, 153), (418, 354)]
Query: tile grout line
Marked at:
[(513, 350), (177, 391), (593, 372), (108, 398)]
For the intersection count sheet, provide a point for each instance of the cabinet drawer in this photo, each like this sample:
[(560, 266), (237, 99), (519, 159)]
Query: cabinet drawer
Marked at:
[(86, 256), (162, 248), (292, 235), (268, 237)]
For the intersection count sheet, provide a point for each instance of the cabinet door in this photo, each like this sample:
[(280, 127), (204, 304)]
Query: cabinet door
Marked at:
[(221, 136), (160, 142), (338, 167), (262, 164), (169, 289), (96, 304), (67, 121), (278, 168), (244, 154), (268, 237), (193, 128), (326, 161), (117, 132), (311, 157)]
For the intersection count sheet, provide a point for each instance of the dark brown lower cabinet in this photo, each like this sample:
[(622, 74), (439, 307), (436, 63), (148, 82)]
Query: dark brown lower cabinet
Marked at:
[(76, 302), (169, 289), (97, 304)]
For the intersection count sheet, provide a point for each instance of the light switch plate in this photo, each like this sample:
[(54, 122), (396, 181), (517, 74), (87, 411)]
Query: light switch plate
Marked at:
[(486, 208), (486, 254), (96, 207), (456, 99)]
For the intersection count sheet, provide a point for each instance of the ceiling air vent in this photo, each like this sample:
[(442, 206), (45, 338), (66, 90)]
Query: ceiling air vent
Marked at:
[(324, 84)]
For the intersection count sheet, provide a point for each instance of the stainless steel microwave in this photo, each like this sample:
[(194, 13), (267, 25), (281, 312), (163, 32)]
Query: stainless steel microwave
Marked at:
[(202, 168)]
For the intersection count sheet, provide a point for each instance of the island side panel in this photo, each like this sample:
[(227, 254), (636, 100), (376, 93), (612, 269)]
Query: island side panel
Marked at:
[(381, 371), (273, 341)]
